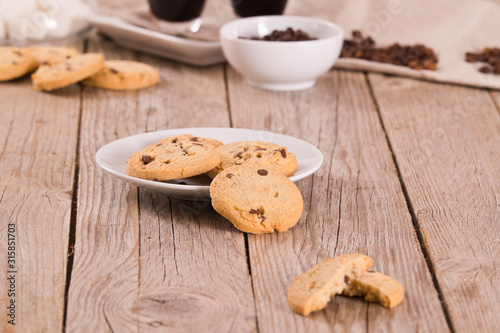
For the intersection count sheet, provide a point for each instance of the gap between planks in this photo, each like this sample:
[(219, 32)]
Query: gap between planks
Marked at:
[(414, 219), (74, 206)]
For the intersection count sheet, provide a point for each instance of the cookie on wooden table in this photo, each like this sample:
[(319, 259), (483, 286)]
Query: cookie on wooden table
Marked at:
[(124, 75), (256, 199), (72, 70), (312, 290), (52, 55), (15, 62), (179, 156), (265, 154), (376, 287)]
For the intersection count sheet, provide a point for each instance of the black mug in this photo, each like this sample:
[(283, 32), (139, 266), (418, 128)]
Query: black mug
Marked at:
[(245, 8), (176, 16)]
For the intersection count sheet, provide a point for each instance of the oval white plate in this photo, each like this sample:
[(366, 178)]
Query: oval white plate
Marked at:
[(113, 157)]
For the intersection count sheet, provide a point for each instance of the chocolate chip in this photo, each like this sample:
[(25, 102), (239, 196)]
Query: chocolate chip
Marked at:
[(18, 53), (114, 71), (263, 218), (283, 152), (370, 271), (174, 140), (239, 154), (346, 279), (229, 175), (146, 159), (262, 172), (195, 139), (44, 63), (257, 149), (255, 211), (485, 69), (185, 152), (288, 35)]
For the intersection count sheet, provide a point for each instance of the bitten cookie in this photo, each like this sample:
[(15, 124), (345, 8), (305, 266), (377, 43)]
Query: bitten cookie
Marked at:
[(124, 75), (376, 287), (52, 55), (180, 156), (65, 73), (256, 199), (265, 154), (312, 290), (15, 62)]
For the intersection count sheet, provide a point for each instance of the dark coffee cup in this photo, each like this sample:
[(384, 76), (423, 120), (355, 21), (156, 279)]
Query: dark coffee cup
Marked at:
[(176, 16), (246, 8)]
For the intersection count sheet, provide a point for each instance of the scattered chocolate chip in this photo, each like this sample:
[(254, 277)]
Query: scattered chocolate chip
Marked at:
[(346, 279), (262, 218), (196, 139), (174, 140), (185, 151), (114, 71), (236, 163), (370, 271), (146, 159), (259, 149), (44, 63), (255, 211), (197, 144), (239, 154), (229, 175), (68, 57), (416, 56), (283, 152), (485, 69), (262, 172), (288, 35)]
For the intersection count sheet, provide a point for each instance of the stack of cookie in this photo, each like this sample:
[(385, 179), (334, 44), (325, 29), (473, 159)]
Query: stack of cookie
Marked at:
[(59, 66), (250, 185), (348, 274)]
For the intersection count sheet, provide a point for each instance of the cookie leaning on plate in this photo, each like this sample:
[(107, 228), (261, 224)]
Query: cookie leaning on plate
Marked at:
[(265, 154), (15, 62), (256, 199), (124, 75), (179, 156), (72, 70), (52, 55)]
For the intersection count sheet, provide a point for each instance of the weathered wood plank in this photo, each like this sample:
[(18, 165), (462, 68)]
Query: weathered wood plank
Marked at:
[(446, 140), (38, 136), (144, 262), (193, 269), (354, 203)]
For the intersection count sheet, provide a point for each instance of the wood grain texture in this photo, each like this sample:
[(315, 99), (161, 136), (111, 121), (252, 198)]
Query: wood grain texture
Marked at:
[(446, 143), (38, 136), (144, 262), (354, 203), (193, 269)]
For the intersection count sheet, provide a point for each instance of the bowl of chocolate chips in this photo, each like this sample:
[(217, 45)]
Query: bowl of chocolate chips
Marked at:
[(281, 53)]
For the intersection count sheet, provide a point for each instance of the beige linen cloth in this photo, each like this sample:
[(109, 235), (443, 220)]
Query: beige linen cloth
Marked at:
[(450, 27)]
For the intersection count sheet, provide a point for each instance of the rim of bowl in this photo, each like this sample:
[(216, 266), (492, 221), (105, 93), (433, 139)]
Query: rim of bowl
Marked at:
[(223, 31)]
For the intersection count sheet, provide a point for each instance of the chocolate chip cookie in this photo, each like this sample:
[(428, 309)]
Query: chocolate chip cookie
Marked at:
[(124, 75), (376, 287), (52, 54), (256, 199), (72, 70), (264, 154), (15, 62), (179, 156)]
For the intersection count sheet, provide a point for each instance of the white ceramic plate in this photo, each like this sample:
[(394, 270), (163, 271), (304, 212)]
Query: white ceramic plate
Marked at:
[(193, 52), (113, 157)]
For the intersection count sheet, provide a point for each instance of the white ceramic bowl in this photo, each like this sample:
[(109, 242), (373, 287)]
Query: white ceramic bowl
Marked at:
[(281, 65)]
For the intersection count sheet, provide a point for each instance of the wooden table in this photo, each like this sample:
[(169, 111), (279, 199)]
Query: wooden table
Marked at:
[(411, 177)]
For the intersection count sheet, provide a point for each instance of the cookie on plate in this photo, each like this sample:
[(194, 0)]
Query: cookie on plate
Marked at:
[(70, 71), (52, 55), (124, 75), (376, 287), (265, 154), (179, 156), (312, 290), (256, 199), (15, 62)]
